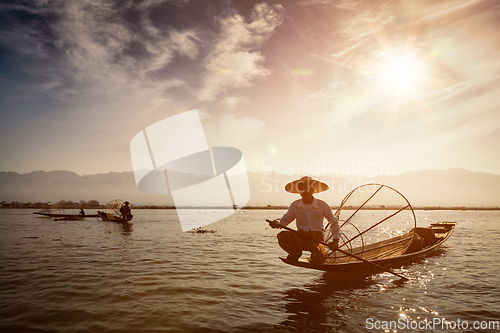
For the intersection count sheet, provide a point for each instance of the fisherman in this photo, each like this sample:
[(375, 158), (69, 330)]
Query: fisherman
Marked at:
[(126, 211), (82, 212), (309, 213)]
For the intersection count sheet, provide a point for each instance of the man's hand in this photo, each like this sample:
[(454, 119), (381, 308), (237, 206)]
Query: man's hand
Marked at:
[(275, 224), (334, 245)]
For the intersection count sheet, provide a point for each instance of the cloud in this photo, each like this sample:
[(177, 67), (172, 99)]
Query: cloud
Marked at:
[(99, 52), (232, 130), (443, 10), (233, 62), (186, 43), (230, 103), (85, 52), (232, 70), (94, 56), (372, 34), (86, 67)]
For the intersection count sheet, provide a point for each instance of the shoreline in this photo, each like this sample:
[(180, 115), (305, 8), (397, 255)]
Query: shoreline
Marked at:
[(271, 207)]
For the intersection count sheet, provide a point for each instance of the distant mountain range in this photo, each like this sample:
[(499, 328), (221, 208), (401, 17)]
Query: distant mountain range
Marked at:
[(445, 188)]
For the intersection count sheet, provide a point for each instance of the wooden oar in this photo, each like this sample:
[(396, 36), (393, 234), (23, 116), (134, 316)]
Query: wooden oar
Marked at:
[(344, 252)]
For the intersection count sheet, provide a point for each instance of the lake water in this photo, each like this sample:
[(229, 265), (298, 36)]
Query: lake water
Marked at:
[(96, 276)]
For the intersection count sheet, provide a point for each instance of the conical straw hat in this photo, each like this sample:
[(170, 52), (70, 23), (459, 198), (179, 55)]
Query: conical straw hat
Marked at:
[(299, 185)]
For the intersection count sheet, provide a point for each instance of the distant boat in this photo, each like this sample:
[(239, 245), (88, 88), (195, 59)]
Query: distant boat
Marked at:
[(57, 210), (65, 215)]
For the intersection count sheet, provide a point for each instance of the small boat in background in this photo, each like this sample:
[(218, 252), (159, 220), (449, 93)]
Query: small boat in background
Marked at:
[(57, 210), (65, 215)]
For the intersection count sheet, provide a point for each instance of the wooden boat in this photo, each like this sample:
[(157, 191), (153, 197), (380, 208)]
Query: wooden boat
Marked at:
[(394, 251), (65, 215), (110, 217), (57, 210), (369, 218), (69, 218), (113, 213)]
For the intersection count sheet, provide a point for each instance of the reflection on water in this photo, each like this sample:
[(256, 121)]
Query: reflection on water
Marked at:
[(324, 303), (126, 227), (344, 302)]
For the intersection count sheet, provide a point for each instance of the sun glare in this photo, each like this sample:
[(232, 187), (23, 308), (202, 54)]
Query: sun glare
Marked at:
[(402, 73)]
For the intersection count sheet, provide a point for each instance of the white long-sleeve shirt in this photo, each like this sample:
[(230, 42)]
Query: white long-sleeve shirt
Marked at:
[(310, 217)]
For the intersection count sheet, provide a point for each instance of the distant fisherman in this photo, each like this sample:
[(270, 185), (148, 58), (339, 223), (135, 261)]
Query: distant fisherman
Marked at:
[(309, 213), (126, 211)]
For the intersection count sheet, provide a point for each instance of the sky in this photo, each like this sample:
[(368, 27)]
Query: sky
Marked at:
[(299, 86)]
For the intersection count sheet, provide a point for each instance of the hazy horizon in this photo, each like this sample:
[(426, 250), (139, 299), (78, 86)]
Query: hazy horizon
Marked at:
[(273, 172), (391, 86), (446, 188)]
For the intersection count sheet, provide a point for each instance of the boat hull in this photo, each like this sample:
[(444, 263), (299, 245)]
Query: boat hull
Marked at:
[(103, 216), (442, 231), (65, 215)]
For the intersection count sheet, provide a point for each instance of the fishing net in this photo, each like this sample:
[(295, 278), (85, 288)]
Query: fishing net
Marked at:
[(373, 213), (113, 209), (57, 208)]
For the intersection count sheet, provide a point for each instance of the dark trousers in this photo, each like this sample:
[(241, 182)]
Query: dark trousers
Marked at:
[(294, 243)]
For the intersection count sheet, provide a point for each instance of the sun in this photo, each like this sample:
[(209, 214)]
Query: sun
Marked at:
[(402, 73)]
